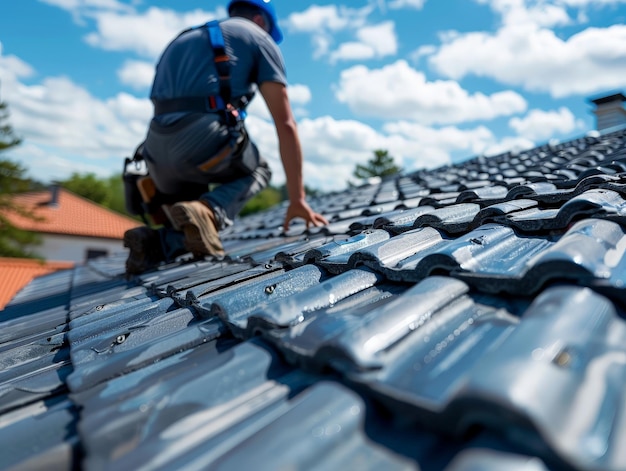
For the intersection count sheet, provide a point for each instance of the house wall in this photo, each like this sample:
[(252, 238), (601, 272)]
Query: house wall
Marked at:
[(73, 248)]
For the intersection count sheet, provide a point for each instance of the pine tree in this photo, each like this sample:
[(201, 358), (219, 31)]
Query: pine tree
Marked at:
[(381, 165), (8, 138), (14, 242)]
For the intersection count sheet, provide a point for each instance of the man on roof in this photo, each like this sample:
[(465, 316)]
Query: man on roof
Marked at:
[(203, 82)]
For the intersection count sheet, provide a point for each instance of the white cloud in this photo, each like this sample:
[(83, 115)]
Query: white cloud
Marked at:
[(135, 112), (323, 23), (440, 142), (136, 74), (332, 148), (259, 109), (508, 144), (352, 51), (519, 12), (47, 164), (328, 18), (299, 94), (540, 125), (399, 4), (119, 26), (381, 38), (81, 5), (60, 113), (373, 42), (586, 3), (145, 34), (548, 16), (524, 53), (13, 68), (397, 91), (65, 127), (79, 8), (83, 9), (321, 45)]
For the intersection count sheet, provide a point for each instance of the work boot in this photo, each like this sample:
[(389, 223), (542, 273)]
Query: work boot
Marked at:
[(145, 249), (197, 222)]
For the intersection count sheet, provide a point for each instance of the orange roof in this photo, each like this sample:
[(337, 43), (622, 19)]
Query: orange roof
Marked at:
[(72, 215), (15, 273)]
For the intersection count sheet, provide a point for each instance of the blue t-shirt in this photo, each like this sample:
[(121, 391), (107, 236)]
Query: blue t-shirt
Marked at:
[(186, 67)]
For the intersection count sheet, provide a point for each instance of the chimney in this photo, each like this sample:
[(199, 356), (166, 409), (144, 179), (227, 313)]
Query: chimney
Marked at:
[(54, 195), (610, 114)]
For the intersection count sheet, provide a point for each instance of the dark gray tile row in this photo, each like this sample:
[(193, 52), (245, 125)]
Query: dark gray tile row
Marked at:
[(25, 329), (493, 257), (130, 344), (41, 435), (293, 310), (251, 419), (605, 204), (373, 330), (489, 460), (570, 339), (234, 305), (33, 372), (220, 273)]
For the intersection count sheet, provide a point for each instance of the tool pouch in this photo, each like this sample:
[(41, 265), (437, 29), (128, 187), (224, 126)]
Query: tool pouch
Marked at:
[(246, 156), (134, 169)]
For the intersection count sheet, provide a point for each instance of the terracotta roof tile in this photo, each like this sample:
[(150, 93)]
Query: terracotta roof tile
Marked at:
[(15, 273), (72, 215)]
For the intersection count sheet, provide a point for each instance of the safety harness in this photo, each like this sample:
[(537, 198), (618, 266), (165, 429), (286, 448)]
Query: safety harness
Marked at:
[(234, 114)]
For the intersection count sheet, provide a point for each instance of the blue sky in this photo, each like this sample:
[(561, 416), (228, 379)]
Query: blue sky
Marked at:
[(431, 81)]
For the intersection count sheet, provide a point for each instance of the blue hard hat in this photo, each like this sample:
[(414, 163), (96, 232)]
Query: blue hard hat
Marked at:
[(267, 8)]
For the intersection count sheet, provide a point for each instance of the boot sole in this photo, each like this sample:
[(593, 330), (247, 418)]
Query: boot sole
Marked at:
[(133, 241), (139, 252)]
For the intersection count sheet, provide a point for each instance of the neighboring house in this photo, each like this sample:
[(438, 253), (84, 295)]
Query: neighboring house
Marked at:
[(72, 228)]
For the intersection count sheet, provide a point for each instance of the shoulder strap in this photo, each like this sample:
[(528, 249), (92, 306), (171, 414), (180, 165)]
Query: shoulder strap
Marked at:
[(222, 61)]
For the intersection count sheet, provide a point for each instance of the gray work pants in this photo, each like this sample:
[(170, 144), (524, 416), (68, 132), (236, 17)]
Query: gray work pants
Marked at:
[(181, 161)]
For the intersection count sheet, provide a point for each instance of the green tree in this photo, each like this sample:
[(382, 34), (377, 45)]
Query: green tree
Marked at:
[(263, 200), (271, 196), (116, 200), (381, 165), (312, 192), (14, 242), (8, 138), (108, 192), (89, 186)]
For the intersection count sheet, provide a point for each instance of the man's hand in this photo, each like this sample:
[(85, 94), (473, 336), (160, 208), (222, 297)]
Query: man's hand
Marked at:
[(301, 209)]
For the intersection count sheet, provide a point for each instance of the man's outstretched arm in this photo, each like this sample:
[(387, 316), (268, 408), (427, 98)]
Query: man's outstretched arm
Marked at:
[(275, 96)]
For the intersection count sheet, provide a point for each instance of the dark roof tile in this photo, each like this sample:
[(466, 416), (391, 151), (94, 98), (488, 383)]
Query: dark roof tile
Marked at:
[(236, 304)]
